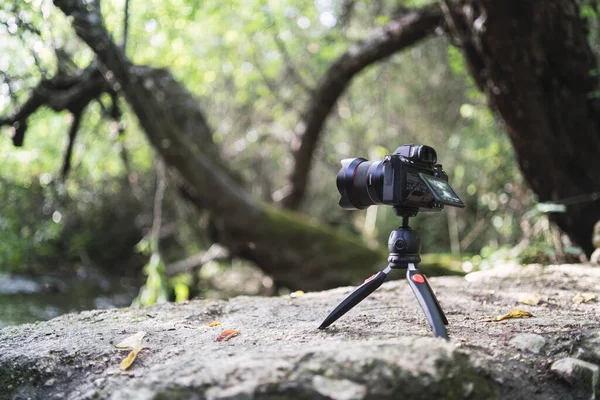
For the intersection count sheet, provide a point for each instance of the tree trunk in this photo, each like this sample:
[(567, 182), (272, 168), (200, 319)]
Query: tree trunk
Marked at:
[(296, 252), (532, 60)]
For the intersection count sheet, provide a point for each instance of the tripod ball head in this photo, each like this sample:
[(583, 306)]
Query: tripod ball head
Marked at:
[(404, 246)]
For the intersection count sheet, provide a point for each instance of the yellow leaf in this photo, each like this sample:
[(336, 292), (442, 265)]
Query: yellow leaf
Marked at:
[(516, 313), (583, 297), (213, 324), (127, 361), (133, 342), (529, 299), (297, 293)]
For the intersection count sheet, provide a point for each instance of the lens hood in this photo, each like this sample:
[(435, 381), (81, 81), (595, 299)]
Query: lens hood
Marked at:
[(345, 184)]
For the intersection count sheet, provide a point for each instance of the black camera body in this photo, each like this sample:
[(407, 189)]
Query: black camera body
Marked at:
[(409, 179)]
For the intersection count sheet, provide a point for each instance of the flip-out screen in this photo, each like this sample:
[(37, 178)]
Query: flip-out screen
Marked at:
[(441, 190)]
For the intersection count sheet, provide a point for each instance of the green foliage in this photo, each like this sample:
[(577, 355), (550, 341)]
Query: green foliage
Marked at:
[(589, 10), (251, 64), (156, 289), (182, 291), (545, 208), (46, 222), (540, 242), (29, 225), (43, 228)]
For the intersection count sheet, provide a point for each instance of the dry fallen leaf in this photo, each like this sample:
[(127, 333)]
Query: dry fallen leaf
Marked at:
[(583, 297), (297, 293), (133, 342), (227, 334), (529, 299), (516, 313), (127, 361), (213, 324)]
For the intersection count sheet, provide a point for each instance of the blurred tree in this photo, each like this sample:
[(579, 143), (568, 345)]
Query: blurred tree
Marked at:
[(534, 63), (295, 252)]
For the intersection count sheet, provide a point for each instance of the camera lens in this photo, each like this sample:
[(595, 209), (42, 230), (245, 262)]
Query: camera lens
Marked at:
[(360, 183)]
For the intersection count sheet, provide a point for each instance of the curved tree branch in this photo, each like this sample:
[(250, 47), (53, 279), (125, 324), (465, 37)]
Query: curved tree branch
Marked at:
[(291, 68), (72, 135), (125, 26), (398, 35), (176, 126), (72, 93), (72, 90)]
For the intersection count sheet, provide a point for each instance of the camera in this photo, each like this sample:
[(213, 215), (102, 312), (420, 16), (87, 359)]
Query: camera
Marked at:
[(409, 179)]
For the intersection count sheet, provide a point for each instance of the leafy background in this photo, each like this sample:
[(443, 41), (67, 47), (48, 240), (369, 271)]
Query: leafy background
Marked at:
[(251, 65)]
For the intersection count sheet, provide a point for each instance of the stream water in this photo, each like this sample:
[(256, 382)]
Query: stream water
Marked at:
[(25, 299)]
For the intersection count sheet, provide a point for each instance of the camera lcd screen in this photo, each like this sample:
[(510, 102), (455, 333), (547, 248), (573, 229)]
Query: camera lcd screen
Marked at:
[(441, 190)]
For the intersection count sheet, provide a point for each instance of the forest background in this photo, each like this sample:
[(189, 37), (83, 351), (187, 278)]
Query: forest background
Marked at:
[(95, 202)]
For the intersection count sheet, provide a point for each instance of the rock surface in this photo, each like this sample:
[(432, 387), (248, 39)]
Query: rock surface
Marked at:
[(529, 342), (382, 349), (580, 373)]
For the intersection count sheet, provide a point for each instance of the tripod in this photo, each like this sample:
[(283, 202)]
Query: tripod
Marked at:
[(404, 245)]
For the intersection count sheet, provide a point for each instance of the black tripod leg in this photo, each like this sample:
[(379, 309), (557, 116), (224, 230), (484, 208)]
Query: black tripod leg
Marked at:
[(428, 302), (437, 303), (359, 294)]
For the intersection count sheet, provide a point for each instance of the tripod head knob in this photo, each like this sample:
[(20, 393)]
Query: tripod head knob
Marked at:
[(400, 245), (404, 246), (404, 241)]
